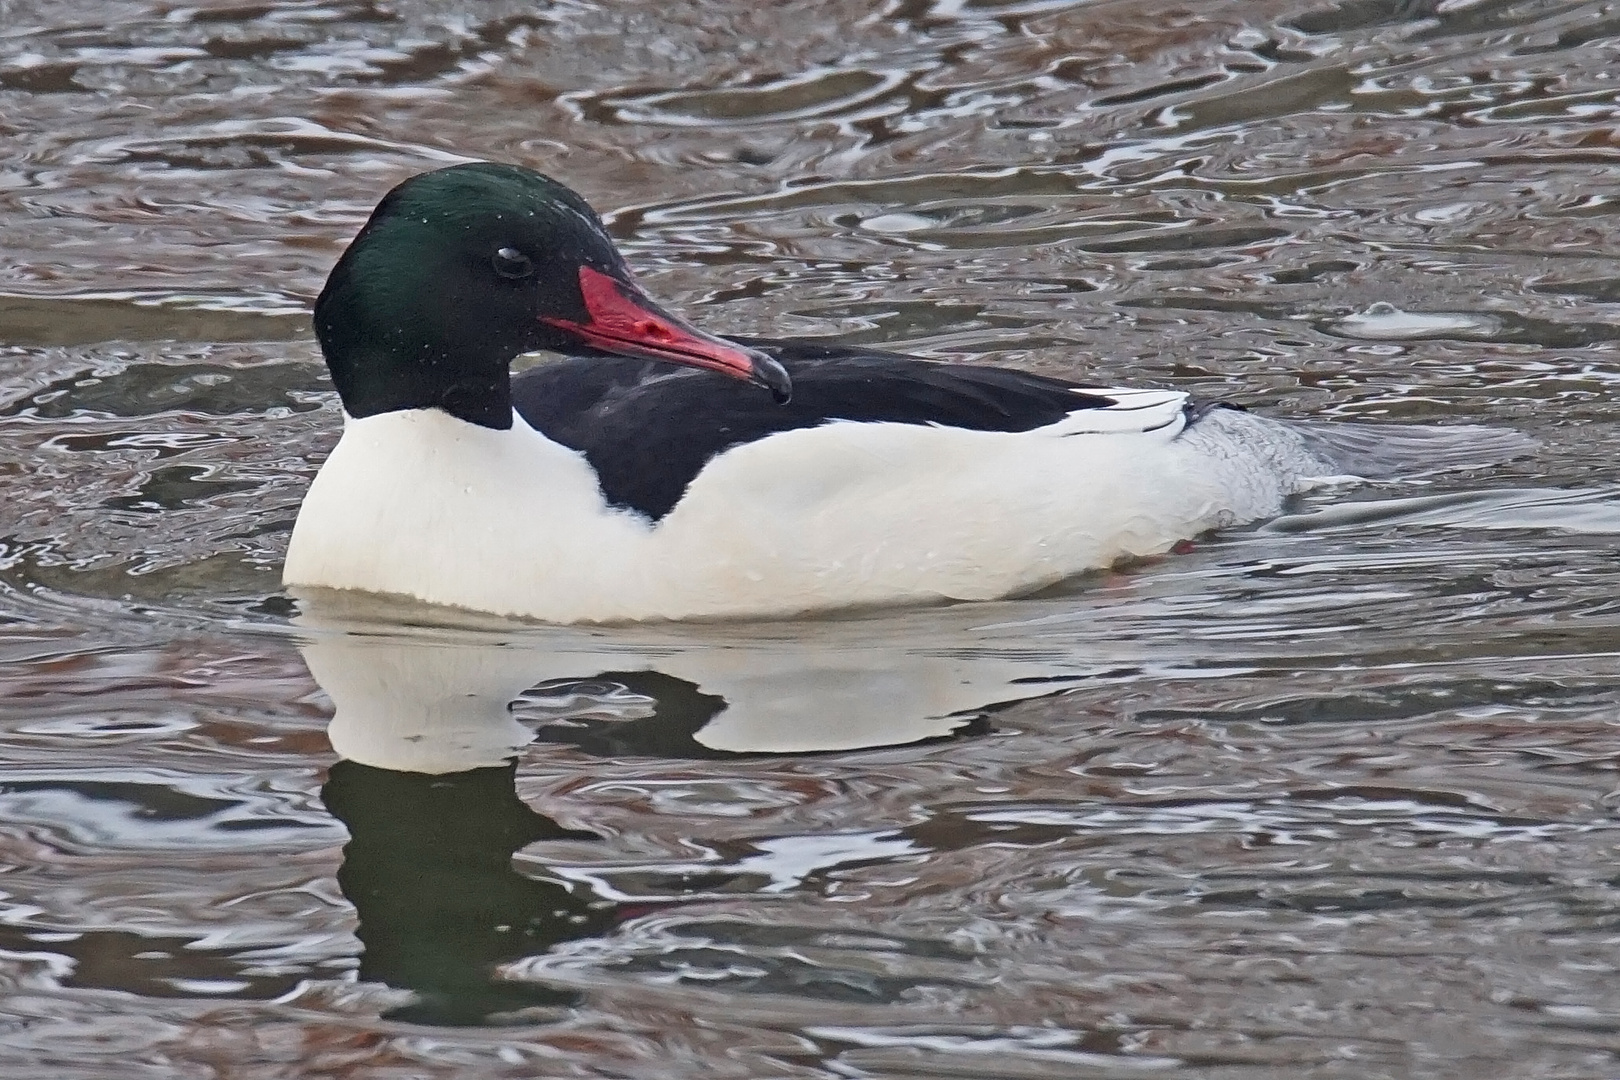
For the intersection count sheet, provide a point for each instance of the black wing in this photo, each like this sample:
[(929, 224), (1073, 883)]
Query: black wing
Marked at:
[(648, 427)]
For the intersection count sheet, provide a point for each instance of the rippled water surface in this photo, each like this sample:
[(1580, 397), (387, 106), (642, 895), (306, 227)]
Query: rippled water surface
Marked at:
[(1330, 797)]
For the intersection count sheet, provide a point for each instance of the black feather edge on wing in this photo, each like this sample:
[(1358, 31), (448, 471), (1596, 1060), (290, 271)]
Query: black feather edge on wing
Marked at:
[(649, 428)]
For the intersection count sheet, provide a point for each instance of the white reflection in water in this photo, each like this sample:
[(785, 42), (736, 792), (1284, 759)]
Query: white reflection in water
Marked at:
[(424, 699)]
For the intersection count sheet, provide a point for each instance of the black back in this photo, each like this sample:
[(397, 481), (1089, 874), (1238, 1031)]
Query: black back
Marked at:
[(649, 428)]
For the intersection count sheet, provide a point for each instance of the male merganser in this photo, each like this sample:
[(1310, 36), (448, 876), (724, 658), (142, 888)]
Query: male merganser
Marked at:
[(615, 486)]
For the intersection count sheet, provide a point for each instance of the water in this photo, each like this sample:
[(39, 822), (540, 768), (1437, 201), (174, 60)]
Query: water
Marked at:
[(1333, 796)]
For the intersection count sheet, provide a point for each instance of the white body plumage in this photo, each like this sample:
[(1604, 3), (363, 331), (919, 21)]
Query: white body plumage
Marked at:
[(420, 504)]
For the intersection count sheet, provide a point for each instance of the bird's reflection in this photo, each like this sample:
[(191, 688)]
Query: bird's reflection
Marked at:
[(428, 868), (678, 715), (424, 719)]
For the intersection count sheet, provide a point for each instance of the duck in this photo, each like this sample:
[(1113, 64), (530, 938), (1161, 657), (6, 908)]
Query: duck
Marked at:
[(654, 471)]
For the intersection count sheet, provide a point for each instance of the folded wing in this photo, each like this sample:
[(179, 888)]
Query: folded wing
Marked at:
[(649, 429)]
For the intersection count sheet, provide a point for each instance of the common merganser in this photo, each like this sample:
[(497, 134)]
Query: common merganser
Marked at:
[(632, 481)]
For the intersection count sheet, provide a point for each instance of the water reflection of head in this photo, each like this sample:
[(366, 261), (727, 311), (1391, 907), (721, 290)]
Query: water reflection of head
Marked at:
[(424, 719), (428, 868)]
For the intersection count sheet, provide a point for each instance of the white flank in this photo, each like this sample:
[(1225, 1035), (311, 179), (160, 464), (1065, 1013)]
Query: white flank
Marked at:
[(423, 505)]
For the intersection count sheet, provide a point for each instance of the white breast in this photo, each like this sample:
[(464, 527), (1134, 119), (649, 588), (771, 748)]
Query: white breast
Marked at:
[(421, 504)]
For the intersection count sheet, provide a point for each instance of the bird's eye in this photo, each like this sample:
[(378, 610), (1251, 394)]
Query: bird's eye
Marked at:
[(512, 263)]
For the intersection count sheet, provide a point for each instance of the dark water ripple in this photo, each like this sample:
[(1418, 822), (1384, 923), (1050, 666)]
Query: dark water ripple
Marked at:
[(1333, 796)]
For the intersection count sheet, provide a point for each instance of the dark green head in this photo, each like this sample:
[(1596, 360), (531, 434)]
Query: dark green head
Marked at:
[(462, 269)]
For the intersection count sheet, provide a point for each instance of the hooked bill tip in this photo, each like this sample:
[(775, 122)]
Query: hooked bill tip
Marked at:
[(770, 374)]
